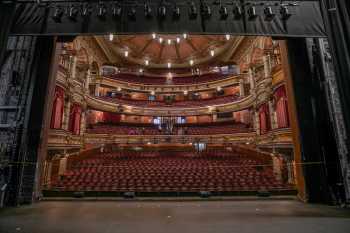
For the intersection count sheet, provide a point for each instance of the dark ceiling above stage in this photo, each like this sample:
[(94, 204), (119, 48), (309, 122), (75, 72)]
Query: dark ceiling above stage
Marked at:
[(82, 17)]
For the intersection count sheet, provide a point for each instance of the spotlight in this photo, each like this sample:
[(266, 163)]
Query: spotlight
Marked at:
[(169, 65), (111, 36), (184, 36), (191, 62), (57, 15), (72, 13), (223, 13), (285, 14), (154, 36), (160, 40), (193, 11), (252, 13), (169, 42), (212, 53), (132, 14), (205, 11), (141, 70), (86, 11), (268, 12), (146, 62), (148, 11), (101, 13), (237, 12), (176, 12), (228, 36), (178, 40), (117, 11), (162, 12), (126, 53)]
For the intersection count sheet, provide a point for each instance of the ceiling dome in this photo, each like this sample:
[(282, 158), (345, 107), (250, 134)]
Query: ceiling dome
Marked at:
[(167, 51)]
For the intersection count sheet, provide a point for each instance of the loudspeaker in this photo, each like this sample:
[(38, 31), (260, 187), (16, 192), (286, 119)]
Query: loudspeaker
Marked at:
[(78, 194), (204, 194), (129, 195)]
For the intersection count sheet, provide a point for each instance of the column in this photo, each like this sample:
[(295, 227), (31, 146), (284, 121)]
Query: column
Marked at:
[(273, 118), (62, 166), (97, 89), (257, 122), (267, 66), (65, 120), (251, 79), (87, 81), (241, 88), (215, 117), (277, 168), (73, 67), (83, 122)]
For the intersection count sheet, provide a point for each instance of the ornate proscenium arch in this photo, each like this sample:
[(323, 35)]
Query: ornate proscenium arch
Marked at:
[(246, 17)]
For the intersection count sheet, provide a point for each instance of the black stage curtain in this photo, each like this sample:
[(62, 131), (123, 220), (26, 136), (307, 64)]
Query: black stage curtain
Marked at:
[(306, 20), (6, 16), (336, 18)]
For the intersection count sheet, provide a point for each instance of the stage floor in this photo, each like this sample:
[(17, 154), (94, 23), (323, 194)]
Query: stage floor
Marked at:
[(248, 216)]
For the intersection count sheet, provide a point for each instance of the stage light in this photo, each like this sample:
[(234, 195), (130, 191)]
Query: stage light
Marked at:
[(154, 35), (126, 53), (184, 36), (169, 42), (86, 11), (162, 12), (178, 40), (237, 12), (111, 36), (176, 12), (148, 11), (285, 14), (223, 13), (228, 36), (146, 62), (101, 14), (206, 11), (160, 40), (252, 13), (212, 53), (57, 14), (193, 11), (169, 65), (268, 12), (191, 62), (132, 14), (141, 70), (73, 13), (117, 11)]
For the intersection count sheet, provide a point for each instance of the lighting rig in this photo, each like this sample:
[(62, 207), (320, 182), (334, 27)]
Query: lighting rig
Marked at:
[(239, 9)]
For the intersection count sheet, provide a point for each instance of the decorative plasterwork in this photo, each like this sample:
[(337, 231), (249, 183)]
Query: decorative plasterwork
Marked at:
[(113, 83)]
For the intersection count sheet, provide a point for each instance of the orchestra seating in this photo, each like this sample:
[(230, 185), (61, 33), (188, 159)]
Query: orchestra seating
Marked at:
[(169, 172), (150, 129), (143, 79), (184, 103)]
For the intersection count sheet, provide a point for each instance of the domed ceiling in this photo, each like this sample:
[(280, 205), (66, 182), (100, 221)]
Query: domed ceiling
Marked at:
[(167, 51)]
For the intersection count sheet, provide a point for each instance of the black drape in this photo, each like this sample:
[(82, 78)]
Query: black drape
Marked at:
[(336, 18), (6, 16)]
